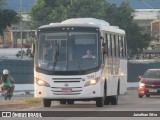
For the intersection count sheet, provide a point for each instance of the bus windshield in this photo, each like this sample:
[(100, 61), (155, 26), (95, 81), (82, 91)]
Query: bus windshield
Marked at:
[(67, 51)]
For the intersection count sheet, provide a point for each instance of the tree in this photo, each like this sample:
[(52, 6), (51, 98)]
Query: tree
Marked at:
[(88, 8), (122, 16), (47, 11), (40, 12), (7, 17), (2, 2)]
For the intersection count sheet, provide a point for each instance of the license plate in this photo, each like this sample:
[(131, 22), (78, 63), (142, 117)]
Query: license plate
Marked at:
[(66, 90), (152, 90)]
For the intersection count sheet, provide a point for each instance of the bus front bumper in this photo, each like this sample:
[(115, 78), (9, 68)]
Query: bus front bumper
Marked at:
[(87, 92)]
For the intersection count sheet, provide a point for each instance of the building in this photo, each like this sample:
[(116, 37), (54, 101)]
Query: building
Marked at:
[(148, 20), (20, 34)]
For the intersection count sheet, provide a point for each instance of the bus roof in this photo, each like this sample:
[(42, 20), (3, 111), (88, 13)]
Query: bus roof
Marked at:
[(87, 22)]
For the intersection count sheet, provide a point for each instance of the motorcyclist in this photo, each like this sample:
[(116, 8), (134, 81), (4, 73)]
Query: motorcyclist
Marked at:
[(7, 80)]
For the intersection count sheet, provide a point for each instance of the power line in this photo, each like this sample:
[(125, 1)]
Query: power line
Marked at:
[(146, 4)]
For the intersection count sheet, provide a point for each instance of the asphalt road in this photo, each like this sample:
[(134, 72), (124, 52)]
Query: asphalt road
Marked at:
[(127, 102)]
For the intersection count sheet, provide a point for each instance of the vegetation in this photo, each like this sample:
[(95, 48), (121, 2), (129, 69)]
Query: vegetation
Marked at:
[(23, 53), (7, 17), (31, 100), (47, 11)]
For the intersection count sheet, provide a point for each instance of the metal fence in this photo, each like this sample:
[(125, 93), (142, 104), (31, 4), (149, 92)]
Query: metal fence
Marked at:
[(20, 70), (137, 69)]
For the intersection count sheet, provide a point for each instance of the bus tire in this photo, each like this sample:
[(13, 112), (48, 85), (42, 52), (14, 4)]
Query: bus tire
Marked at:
[(46, 102), (100, 101), (114, 100)]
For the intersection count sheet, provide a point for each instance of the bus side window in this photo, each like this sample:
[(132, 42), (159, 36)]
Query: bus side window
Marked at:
[(114, 47), (125, 47), (111, 46), (122, 53), (106, 50), (118, 46)]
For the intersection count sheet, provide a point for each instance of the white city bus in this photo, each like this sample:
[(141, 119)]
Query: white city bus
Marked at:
[(62, 73)]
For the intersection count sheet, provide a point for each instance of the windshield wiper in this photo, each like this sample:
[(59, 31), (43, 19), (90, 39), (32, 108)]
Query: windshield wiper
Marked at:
[(78, 64), (55, 54)]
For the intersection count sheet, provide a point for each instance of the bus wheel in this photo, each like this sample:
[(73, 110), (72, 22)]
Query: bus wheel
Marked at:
[(100, 101), (46, 102), (114, 100), (70, 102), (107, 101), (63, 102)]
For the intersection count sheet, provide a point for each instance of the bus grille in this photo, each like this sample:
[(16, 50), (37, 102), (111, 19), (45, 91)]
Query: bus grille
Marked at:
[(73, 84)]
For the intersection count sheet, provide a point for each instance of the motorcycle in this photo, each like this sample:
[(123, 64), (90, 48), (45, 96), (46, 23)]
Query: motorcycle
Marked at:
[(7, 92)]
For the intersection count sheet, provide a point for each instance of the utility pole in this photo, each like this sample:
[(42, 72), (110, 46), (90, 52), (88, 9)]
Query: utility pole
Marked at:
[(158, 25), (21, 29)]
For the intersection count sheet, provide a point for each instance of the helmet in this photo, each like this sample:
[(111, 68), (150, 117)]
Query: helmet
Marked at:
[(5, 72)]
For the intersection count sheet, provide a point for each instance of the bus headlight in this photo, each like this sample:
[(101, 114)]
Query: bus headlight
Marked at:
[(92, 81), (42, 83)]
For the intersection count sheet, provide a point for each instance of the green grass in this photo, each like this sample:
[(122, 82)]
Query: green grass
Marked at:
[(31, 100)]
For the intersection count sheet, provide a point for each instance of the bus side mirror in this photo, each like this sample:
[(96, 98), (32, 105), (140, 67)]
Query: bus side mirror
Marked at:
[(33, 48)]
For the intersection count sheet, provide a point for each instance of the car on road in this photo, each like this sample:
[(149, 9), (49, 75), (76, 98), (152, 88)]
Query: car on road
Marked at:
[(149, 83)]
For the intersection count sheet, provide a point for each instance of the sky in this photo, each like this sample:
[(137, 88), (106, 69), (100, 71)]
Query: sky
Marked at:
[(135, 4), (15, 4), (140, 4)]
